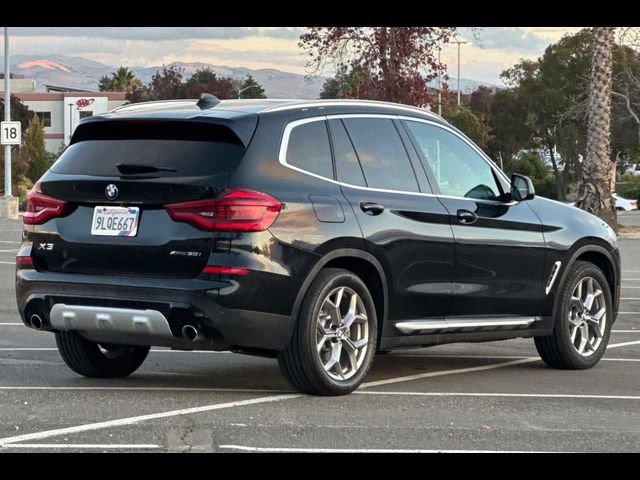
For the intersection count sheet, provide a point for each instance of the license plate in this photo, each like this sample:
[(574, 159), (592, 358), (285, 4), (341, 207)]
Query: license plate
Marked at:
[(115, 221)]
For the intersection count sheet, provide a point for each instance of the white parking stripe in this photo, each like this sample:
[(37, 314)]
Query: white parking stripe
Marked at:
[(629, 287), (419, 376), (245, 448), (146, 389), (628, 313), (87, 446), (13, 250), (8, 263), (503, 395), (630, 298), (252, 401), (12, 324), (8, 241), (141, 418)]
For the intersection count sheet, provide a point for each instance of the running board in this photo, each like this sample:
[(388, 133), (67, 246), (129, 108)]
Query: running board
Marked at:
[(416, 326)]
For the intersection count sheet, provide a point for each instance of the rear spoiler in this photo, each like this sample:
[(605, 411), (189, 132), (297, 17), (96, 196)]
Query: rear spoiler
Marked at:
[(237, 129)]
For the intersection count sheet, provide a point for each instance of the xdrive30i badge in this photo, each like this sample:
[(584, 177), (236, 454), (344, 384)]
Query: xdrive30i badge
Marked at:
[(111, 191)]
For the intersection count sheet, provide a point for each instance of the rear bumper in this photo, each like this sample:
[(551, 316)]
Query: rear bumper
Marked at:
[(180, 302)]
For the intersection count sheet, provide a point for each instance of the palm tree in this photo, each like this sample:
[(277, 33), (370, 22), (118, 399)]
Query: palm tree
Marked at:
[(123, 80), (594, 192)]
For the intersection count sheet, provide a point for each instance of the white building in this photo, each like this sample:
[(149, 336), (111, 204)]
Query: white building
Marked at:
[(60, 112)]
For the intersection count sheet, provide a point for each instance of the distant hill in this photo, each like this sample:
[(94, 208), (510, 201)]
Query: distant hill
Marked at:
[(79, 72), (85, 74)]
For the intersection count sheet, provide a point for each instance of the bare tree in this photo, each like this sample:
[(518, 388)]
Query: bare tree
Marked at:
[(594, 193)]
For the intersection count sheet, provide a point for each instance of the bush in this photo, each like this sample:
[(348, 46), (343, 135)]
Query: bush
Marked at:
[(629, 187), (546, 187)]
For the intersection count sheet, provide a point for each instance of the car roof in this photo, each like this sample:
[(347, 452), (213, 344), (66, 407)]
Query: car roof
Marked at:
[(187, 108)]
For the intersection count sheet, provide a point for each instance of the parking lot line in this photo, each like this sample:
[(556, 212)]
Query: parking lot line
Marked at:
[(245, 448), (8, 263), (419, 376), (629, 298), (500, 395), (252, 401), (87, 446), (147, 389), (141, 418)]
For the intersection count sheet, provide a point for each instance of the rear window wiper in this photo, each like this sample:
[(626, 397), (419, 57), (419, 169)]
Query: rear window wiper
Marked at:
[(135, 169)]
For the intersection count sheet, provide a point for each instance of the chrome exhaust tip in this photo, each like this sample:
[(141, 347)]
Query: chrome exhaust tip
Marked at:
[(190, 333), (36, 322)]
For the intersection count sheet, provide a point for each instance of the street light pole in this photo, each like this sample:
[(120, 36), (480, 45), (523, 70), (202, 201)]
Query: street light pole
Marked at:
[(459, 42), (439, 86), (7, 114)]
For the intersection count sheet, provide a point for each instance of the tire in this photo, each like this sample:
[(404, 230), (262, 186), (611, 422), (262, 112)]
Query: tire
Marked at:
[(303, 362), (86, 358), (558, 350)]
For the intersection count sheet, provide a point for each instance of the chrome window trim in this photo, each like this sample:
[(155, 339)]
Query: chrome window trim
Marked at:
[(284, 143)]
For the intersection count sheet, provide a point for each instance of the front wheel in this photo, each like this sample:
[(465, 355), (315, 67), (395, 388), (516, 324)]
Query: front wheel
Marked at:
[(583, 321), (99, 360), (333, 344)]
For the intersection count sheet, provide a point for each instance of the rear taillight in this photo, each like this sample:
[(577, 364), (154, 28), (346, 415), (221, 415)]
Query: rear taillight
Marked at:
[(234, 210), (41, 208), (24, 261)]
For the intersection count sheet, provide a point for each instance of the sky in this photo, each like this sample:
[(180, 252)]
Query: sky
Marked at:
[(497, 48)]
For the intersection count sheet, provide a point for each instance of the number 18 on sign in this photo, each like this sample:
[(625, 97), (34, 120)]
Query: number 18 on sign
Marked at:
[(10, 133)]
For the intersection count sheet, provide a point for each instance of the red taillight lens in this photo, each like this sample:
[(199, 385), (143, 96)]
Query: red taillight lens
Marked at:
[(24, 261), (234, 210), (41, 208), (225, 270)]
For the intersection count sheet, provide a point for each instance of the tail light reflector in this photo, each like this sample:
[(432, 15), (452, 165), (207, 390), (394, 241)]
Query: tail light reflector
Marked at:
[(235, 210), (225, 270)]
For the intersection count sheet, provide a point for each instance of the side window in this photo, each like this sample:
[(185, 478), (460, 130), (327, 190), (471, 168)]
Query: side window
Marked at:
[(309, 149), (348, 169), (382, 154), (458, 169)]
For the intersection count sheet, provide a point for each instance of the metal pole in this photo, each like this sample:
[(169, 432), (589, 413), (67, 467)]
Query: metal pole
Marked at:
[(7, 114), (70, 120), (459, 43), (439, 87)]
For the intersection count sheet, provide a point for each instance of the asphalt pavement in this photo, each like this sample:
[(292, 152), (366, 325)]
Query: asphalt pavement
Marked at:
[(496, 396)]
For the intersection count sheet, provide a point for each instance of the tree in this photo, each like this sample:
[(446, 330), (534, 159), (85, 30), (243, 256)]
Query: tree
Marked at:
[(206, 81), (594, 193), (166, 85), (465, 120), (480, 102), (19, 111), (122, 80), (399, 60), (250, 88), (33, 153)]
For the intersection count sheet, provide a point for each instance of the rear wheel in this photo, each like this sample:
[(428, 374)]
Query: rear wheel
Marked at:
[(583, 321), (99, 361), (333, 344)]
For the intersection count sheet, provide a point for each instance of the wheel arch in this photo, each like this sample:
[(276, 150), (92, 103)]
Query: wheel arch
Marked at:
[(361, 263), (603, 259)]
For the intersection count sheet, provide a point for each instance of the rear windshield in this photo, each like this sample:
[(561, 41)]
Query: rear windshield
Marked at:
[(184, 150)]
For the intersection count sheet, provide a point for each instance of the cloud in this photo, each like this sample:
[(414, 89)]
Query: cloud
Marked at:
[(507, 38), (159, 33)]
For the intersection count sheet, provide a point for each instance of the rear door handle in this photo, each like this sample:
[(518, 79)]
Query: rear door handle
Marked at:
[(371, 208), (466, 217)]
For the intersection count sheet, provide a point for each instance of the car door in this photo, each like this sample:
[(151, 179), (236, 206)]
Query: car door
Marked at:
[(404, 227), (499, 243)]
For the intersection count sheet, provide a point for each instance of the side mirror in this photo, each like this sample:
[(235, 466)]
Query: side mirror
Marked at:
[(521, 188)]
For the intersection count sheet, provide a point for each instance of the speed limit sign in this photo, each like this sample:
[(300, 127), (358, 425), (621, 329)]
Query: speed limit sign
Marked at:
[(11, 133)]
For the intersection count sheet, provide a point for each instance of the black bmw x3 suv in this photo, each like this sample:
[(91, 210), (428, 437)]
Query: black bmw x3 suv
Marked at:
[(317, 232)]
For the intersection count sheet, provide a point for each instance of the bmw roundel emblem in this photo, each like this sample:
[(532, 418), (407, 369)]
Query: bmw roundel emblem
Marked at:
[(111, 191)]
